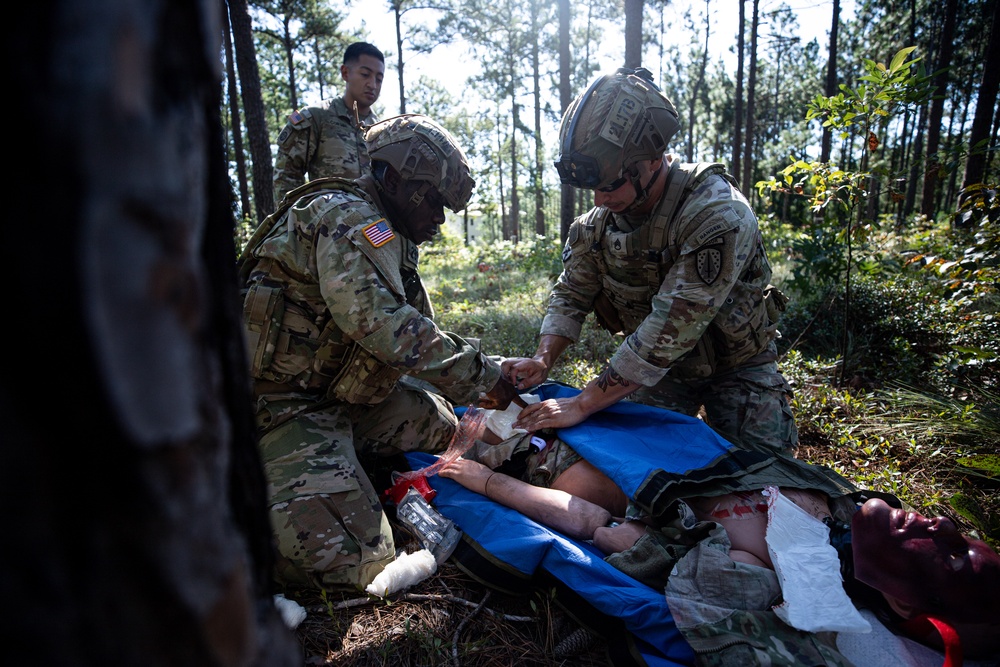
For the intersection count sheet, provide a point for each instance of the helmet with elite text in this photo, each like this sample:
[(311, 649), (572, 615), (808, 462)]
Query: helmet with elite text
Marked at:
[(621, 119), (420, 149)]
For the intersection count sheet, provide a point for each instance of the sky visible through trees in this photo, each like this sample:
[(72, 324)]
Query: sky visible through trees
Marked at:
[(452, 64)]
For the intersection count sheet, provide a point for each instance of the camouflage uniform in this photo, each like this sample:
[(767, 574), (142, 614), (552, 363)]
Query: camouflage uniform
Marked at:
[(688, 292), (321, 141), (723, 607), (687, 283), (340, 335)]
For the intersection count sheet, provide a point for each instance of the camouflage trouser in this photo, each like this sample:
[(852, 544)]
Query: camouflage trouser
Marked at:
[(326, 515), (747, 406)]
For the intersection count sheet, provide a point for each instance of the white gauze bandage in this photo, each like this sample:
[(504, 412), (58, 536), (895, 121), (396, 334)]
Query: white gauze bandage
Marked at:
[(808, 570), (405, 571)]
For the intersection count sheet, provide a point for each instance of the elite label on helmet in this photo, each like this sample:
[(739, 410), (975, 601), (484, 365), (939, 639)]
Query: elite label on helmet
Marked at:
[(621, 119), (420, 149)]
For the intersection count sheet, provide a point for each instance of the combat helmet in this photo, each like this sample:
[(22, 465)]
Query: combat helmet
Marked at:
[(621, 119), (420, 149)]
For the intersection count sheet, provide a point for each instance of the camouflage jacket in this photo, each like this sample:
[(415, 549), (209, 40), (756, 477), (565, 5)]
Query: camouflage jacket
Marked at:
[(334, 301), (686, 283), (321, 141)]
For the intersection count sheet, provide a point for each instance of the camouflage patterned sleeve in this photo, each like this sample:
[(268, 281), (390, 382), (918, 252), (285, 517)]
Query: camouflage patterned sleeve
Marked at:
[(295, 142), (572, 297), (366, 305), (718, 239)]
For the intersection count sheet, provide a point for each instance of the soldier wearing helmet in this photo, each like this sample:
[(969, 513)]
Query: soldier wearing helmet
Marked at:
[(348, 365), (671, 257)]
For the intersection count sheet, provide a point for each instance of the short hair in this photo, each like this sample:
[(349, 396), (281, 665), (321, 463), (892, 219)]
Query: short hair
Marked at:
[(354, 52)]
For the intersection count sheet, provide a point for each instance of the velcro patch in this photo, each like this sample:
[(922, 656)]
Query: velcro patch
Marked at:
[(378, 233), (708, 260)]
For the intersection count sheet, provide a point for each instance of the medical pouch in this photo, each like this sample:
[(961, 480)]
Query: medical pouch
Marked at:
[(263, 311), (364, 380)]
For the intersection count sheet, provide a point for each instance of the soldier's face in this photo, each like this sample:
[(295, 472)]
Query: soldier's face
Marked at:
[(363, 79), (422, 223), (925, 562)]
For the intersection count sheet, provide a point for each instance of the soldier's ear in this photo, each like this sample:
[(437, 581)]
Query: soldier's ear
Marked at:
[(343, 72), (391, 180)]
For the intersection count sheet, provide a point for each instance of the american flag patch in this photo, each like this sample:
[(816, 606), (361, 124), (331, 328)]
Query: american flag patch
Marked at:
[(296, 118), (378, 233)]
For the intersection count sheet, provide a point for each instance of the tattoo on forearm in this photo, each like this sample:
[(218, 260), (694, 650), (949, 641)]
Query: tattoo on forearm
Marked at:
[(609, 378)]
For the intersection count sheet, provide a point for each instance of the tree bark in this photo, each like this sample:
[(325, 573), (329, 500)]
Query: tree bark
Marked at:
[(566, 208), (536, 76), (928, 202), (831, 80), (738, 111), (975, 166), (253, 109), (698, 85), (234, 115), (751, 93), (140, 534), (633, 33)]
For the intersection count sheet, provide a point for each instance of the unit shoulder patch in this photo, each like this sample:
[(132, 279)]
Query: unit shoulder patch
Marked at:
[(378, 233), (708, 260)]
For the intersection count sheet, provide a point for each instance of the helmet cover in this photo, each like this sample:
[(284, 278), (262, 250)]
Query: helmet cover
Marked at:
[(621, 119), (420, 149)]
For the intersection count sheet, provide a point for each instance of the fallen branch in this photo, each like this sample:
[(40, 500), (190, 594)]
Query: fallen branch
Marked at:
[(419, 597), (458, 630)]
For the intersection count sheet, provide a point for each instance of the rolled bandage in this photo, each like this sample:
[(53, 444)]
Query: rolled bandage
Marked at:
[(405, 571)]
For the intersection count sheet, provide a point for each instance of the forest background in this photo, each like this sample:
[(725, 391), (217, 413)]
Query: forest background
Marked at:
[(870, 160)]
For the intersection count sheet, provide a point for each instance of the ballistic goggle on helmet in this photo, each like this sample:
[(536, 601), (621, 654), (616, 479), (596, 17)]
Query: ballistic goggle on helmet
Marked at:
[(420, 149), (621, 119)]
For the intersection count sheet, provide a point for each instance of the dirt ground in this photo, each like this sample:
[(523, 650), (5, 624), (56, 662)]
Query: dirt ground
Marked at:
[(447, 619)]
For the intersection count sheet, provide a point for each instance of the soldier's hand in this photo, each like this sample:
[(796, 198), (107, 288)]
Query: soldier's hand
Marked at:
[(500, 396), (524, 372)]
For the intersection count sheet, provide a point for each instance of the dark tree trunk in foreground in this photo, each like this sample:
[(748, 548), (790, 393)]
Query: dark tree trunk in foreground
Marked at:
[(137, 532)]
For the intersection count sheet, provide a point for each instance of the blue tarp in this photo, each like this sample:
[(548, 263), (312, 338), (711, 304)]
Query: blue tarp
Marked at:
[(630, 443)]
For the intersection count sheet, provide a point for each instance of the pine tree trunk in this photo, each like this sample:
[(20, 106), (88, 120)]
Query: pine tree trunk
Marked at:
[(633, 33), (928, 202), (566, 209), (831, 80), (253, 109), (137, 532), (975, 166), (738, 112)]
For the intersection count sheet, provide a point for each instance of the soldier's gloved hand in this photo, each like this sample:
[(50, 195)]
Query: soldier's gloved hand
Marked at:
[(500, 396)]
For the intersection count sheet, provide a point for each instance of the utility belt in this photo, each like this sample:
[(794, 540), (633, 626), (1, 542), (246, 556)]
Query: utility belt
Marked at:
[(290, 350)]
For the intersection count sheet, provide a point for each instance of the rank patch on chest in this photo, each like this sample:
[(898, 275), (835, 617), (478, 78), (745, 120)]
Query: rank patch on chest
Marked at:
[(378, 233)]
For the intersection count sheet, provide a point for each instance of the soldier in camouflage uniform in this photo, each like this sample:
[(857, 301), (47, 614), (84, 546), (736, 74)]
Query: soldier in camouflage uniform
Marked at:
[(343, 348), (328, 140), (671, 257)]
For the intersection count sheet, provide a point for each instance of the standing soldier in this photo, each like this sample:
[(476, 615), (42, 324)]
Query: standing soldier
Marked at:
[(343, 347), (672, 257), (328, 140)]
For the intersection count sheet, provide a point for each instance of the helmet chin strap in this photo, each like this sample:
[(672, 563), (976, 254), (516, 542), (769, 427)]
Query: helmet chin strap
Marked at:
[(641, 193)]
